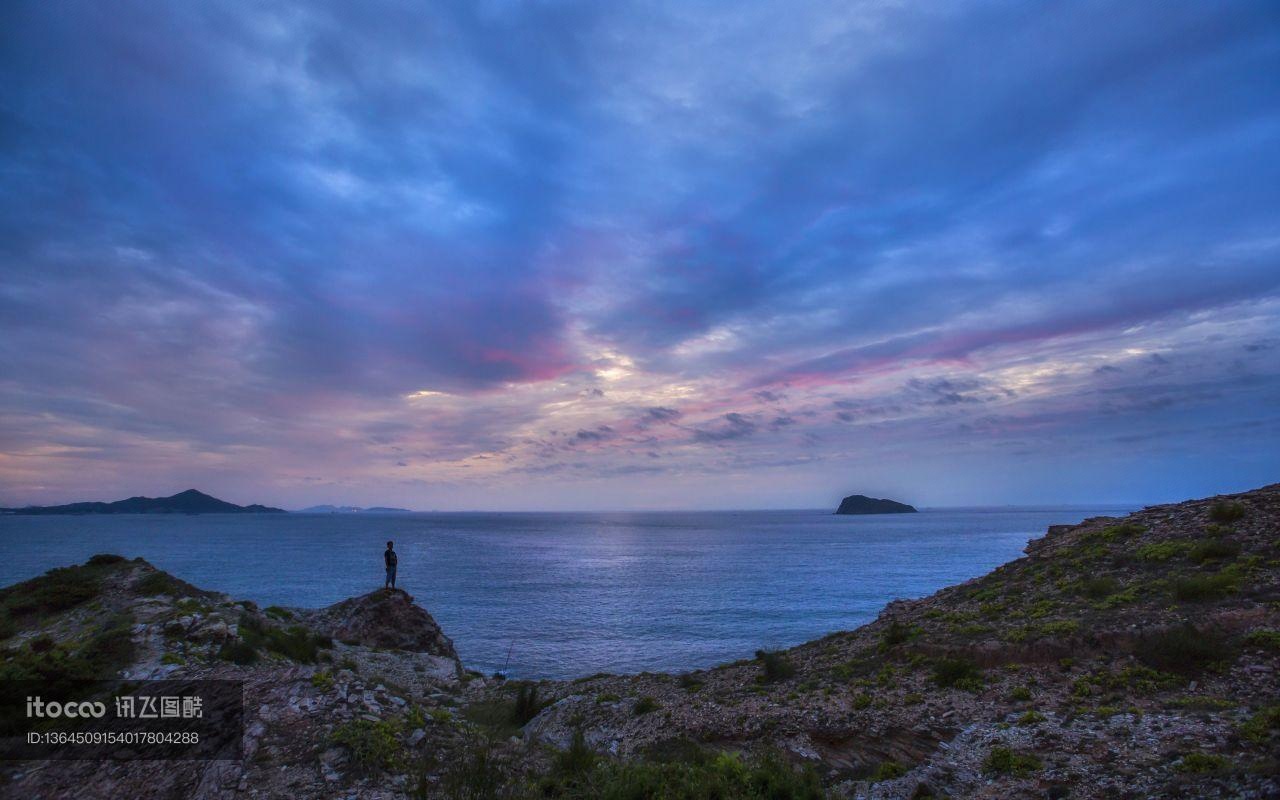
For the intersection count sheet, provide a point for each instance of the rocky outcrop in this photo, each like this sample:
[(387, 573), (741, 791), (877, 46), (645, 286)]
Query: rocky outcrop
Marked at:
[(385, 618), (861, 504)]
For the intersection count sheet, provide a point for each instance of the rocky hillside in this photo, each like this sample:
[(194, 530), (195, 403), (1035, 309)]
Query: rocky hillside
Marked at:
[(1133, 657)]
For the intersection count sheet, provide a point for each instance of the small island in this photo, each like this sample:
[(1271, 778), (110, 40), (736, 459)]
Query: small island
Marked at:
[(861, 504), (189, 502)]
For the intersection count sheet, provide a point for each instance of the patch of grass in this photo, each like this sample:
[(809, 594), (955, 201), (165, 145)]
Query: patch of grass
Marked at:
[(1200, 588), (1262, 726), (296, 642), (477, 774), (693, 774), (1266, 639), (1225, 512), (1163, 551), (1020, 694), (373, 747), (577, 759), (774, 666), (56, 590), (1200, 763), (154, 583), (1195, 703), (238, 652), (958, 673), (862, 701), (1004, 761), (607, 697), (278, 612), (1099, 586), (322, 680), (887, 771), (645, 705), (1123, 531), (1031, 718), (1059, 627), (1118, 599), (689, 682), (104, 559), (1213, 550), (67, 671)]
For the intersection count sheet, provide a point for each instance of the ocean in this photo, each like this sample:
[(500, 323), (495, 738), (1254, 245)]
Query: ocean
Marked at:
[(561, 595)]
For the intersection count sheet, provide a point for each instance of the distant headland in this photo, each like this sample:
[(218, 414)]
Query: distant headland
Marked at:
[(328, 509), (861, 504), (188, 502)]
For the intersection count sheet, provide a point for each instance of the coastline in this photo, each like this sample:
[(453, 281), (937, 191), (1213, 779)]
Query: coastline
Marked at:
[(1042, 676)]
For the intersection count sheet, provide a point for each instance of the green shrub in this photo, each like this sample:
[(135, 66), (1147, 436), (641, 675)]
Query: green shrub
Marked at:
[(296, 642), (689, 682), (1020, 693), (1225, 512), (67, 671), (578, 759), (959, 673), (888, 770), (322, 680), (1059, 627), (862, 701), (897, 633), (527, 704), (104, 559), (645, 705), (1003, 761), (154, 583), (1031, 718), (56, 590), (278, 612), (774, 665), (238, 652), (1198, 588), (1119, 598), (372, 746), (1213, 549), (1099, 586), (1122, 531), (1203, 762), (1163, 551)]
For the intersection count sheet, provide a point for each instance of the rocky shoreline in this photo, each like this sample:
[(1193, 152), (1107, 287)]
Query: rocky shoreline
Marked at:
[(1119, 658)]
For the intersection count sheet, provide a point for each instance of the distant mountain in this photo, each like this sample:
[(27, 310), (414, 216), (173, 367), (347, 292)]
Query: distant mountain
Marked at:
[(326, 509), (861, 504), (188, 502)]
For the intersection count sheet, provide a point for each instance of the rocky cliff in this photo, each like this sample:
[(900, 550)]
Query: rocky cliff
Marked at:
[(1131, 657)]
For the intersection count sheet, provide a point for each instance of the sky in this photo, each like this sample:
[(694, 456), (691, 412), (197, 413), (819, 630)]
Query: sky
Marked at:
[(560, 255)]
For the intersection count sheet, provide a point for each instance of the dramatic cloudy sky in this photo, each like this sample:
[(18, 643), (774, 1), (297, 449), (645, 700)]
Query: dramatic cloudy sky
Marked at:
[(596, 255)]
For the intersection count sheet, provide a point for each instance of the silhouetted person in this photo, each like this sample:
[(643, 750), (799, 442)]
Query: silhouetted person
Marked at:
[(390, 558)]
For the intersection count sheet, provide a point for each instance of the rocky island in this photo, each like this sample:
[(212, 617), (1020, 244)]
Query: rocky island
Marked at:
[(1132, 657), (861, 504)]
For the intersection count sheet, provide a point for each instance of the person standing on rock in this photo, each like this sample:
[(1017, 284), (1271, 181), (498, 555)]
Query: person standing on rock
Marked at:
[(390, 558)]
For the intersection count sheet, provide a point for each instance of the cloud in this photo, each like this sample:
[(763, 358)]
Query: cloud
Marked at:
[(257, 246), (734, 426)]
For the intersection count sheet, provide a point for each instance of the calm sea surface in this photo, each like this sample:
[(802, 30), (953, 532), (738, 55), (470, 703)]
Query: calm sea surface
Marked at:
[(564, 595)]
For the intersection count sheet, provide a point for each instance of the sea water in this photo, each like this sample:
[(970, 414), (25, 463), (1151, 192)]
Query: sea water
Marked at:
[(569, 594)]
